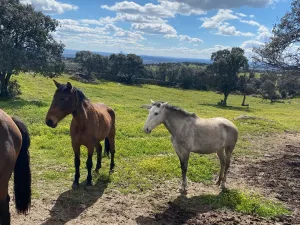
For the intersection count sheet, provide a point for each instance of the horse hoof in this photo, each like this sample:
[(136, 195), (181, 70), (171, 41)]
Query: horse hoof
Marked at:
[(97, 171), (75, 185), (88, 184), (183, 191), (111, 171)]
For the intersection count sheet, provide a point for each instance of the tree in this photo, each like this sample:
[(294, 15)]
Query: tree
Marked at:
[(224, 70), (282, 51), (90, 62), (133, 67), (116, 64), (26, 43)]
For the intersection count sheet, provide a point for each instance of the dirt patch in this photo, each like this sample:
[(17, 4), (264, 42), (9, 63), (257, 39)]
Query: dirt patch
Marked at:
[(275, 173), (280, 177)]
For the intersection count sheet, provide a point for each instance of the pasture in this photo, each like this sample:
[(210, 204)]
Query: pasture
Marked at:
[(144, 188)]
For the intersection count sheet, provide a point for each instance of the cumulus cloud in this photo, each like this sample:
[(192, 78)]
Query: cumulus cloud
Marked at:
[(50, 6), (79, 32), (263, 33), (184, 38), (152, 28), (241, 14), (216, 21), (164, 8), (221, 4), (223, 28), (252, 16)]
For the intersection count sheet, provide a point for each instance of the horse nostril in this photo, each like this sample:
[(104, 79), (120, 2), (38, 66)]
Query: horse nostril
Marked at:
[(50, 123)]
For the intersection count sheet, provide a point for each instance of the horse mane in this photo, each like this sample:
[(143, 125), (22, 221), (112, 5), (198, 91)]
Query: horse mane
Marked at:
[(80, 94), (175, 108)]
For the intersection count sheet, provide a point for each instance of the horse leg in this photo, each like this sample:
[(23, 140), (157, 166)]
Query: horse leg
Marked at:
[(76, 149), (99, 157), (4, 211), (184, 159), (112, 150), (89, 165), (228, 152), (221, 156)]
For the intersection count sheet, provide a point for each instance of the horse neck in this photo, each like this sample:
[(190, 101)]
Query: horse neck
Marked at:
[(80, 114), (173, 121)]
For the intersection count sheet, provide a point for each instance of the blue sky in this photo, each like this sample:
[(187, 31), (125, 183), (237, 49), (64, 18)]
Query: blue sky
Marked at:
[(185, 28)]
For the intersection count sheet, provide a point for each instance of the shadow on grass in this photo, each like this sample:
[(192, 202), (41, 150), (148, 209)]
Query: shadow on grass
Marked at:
[(70, 204), (234, 108), (19, 103), (179, 211), (182, 209)]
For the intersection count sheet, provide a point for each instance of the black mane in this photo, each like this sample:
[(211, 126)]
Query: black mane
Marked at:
[(79, 93)]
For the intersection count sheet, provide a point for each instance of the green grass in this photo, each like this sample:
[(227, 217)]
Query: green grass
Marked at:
[(142, 160), (245, 203)]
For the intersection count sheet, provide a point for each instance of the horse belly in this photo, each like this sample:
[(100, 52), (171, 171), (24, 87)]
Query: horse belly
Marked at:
[(212, 143)]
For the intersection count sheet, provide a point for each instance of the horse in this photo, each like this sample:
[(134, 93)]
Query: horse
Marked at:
[(14, 156), (190, 133), (91, 124)]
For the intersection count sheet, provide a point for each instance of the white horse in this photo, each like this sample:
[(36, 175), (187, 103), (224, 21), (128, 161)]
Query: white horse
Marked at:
[(193, 134)]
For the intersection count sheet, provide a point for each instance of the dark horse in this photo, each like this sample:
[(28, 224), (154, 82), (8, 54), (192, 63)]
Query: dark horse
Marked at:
[(91, 124), (14, 155)]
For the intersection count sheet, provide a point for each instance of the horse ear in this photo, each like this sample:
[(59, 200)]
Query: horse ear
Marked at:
[(58, 85), (152, 101), (165, 103), (69, 86)]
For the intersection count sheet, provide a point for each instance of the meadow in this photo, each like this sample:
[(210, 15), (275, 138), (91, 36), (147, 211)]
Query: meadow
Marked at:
[(144, 161)]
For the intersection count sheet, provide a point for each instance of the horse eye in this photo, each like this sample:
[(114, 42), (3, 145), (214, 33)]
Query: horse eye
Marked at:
[(156, 113)]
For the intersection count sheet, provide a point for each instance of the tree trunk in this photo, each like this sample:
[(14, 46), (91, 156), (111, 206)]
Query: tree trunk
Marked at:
[(4, 84), (224, 102), (244, 99)]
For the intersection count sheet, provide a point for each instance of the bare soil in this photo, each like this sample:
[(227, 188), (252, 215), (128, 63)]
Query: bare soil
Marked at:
[(275, 173)]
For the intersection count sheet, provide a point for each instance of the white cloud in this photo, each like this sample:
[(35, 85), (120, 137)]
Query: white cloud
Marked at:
[(171, 36), (190, 39), (252, 16), (132, 18), (50, 6), (216, 21), (221, 4), (78, 33), (183, 38), (231, 31), (165, 9), (241, 14), (251, 22), (249, 45), (223, 28), (263, 33), (152, 28)]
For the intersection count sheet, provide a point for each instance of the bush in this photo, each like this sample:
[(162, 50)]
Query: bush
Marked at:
[(14, 89)]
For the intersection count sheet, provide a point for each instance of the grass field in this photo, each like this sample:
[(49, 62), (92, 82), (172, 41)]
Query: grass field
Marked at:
[(142, 160)]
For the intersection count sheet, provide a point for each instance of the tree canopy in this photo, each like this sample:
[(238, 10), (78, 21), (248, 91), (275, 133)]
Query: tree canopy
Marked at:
[(26, 42), (224, 70), (283, 49)]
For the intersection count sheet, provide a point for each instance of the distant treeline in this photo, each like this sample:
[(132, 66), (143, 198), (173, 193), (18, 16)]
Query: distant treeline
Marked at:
[(130, 69)]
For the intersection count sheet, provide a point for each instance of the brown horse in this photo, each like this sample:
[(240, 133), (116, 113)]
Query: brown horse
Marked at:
[(14, 155), (91, 124)]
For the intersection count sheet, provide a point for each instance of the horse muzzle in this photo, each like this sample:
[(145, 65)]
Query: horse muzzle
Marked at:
[(147, 130), (50, 123)]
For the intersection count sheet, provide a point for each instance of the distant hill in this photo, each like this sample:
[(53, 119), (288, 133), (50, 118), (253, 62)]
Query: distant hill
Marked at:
[(146, 58)]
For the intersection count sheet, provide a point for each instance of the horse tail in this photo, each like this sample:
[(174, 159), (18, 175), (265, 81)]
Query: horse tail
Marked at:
[(22, 174), (106, 146)]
